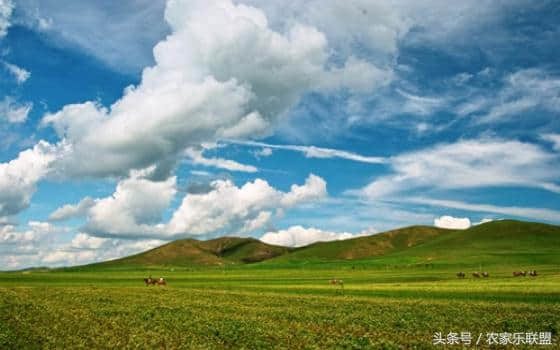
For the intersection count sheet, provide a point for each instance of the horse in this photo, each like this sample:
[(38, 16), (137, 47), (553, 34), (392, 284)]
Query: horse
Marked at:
[(150, 281), (533, 273), (476, 274), (461, 275), (519, 273), (335, 282), (485, 274)]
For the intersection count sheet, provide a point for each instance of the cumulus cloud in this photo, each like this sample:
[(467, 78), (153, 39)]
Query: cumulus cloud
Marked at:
[(298, 236), (14, 112), (41, 244), (18, 178), (85, 249), (69, 210), (20, 248), (135, 209), (212, 80), (451, 222), (21, 75), (239, 209), (469, 164), (6, 8)]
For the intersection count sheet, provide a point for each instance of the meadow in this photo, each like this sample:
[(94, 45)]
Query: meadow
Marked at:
[(262, 306)]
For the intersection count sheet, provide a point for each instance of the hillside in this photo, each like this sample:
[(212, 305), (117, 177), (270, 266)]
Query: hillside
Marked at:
[(369, 246), (505, 242), (191, 252)]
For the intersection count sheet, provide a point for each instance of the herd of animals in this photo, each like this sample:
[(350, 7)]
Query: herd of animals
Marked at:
[(532, 273), (155, 282), (336, 282)]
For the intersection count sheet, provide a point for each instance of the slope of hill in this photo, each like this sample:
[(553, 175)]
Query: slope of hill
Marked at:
[(368, 246), (191, 252), (505, 242)]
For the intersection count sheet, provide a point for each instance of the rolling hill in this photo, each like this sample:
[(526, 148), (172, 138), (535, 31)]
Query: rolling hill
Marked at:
[(192, 252), (505, 242)]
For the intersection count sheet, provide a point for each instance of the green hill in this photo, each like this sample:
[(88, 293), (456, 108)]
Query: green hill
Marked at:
[(367, 247), (504, 242), (191, 252)]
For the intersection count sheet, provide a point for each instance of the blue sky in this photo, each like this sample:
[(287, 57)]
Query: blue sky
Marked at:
[(125, 126)]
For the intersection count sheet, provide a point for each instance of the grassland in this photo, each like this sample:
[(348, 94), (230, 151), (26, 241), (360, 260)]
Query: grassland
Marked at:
[(395, 298)]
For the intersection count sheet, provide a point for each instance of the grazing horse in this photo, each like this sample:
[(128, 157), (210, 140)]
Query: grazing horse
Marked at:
[(335, 282), (519, 273), (461, 275), (485, 274), (476, 274), (150, 281), (533, 273)]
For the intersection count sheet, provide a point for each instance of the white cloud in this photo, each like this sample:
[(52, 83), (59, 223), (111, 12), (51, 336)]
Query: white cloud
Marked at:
[(133, 210), (18, 178), (212, 80), (524, 90), (13, 112), (554, 139), (85, 241), (451, 222), (6, 8), (419, 105), (314, 188), (483, 221), (468, 164), (21, 248), (315, 152), (298, 236), (85, 249), (73, 258), (263, 152), (524, 212), (232, 208), (197, 157), (21, 75), (128, 51), (44, 244), (69, 211)]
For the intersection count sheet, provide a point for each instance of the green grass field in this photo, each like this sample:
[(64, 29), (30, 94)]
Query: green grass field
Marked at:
[(396, 299), (257, 308)]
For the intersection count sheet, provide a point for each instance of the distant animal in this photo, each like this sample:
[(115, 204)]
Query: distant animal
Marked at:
[(150, 281), (533, 273), (476, 274), (461, 275), (335, 282), (519, 273), (485, 274), (161, 282)]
